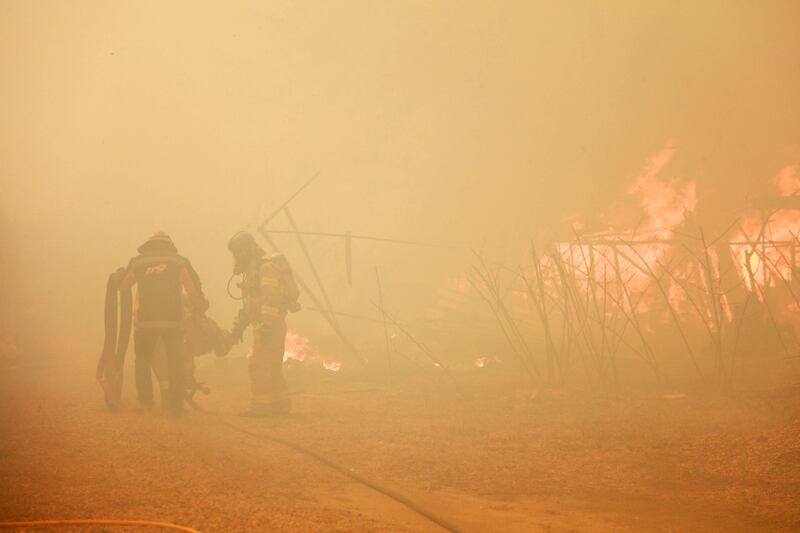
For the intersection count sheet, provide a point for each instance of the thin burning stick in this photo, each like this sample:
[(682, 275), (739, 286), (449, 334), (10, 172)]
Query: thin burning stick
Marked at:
[(754, 285), (592, 287), (619, 298), (630, 318), (764, 259), (649, 271), (619, 336), (682, 284), (619, 304), (648, 351), (774, 268), (754, 288)]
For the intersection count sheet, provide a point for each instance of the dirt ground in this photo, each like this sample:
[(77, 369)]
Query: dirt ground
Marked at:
[(496, 456)]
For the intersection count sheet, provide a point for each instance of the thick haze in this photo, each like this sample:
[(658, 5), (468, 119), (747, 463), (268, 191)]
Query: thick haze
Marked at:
[(475, 123)]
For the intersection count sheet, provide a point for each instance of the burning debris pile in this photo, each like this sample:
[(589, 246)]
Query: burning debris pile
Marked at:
[(662, 286)]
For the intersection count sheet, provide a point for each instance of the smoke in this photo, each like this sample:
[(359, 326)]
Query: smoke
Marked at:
[(445, 122)]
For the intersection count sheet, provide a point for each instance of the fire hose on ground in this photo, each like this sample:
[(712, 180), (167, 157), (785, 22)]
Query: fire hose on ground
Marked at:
[(355, 476), (92, 522)]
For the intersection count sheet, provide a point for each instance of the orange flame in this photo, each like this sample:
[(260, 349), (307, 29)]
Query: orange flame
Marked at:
[(764, 246), (298, 348), (665, 203), (610, 259)]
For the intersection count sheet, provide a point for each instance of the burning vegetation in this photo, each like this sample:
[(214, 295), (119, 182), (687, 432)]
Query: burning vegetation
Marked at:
[(658, 288)]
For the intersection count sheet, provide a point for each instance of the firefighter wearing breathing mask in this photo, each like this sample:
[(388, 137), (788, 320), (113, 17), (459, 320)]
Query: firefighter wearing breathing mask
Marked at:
[(161, 276), (269, 291)]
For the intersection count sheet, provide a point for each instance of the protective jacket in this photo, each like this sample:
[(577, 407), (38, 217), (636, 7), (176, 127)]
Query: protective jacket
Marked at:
[(161, 278), (269, 291)]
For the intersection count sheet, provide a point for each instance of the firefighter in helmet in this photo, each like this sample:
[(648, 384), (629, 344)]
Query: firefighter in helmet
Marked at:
[(269, 291), (161, 276)]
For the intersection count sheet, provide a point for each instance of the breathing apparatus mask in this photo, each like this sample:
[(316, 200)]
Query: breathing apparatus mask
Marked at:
[(245, 250)]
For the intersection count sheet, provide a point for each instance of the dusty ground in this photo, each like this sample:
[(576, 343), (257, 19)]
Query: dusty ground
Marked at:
[(504, 459)]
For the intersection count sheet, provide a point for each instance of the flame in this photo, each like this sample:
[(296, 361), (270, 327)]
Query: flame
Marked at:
[(481, 361), (664, 201), (621, 261), (788, 181), (296, 347), (458, 284), (764, 246), (332, 365)]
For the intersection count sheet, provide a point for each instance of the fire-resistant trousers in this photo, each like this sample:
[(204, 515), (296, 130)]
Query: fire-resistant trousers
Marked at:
[(144, 343), (266, 369)]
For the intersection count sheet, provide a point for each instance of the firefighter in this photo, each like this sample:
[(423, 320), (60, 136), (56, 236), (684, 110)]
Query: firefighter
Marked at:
[(269, 291), (161, 276)]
